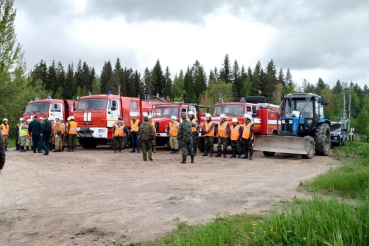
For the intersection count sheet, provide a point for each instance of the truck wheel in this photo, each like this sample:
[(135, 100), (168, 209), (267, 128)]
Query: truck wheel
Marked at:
[(88, 143), (201, 144), (311, 147), (267, 153), (322, 139), (255, 99)]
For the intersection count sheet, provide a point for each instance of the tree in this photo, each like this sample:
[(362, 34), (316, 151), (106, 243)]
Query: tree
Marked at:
[(246, 88), (70, 86), (281, 78), (178, 90), (158, 78), (320, 86), (337, 89), (216, 91), (237, 79), (256, 79), (78, 75), (199, 78), (52, 79), (168, 82), (189, 86), (87, 80), (226, 71), (116, 84), (60, 74), (277, 94), (40, 73), (149, 83), (289, 81), (106, 74), (270, 81)]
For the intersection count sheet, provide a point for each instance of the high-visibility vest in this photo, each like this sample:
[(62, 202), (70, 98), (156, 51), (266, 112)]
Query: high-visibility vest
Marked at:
[(246, 131), (134, 126), (73, 128), (193, 128), (28, 131), (53, 126), (222, 129), (5, 129), (58, 127), (153, 125), (173, 128), (235, 132), (66, 128), (119, 131), (22, 130), (207, 127)]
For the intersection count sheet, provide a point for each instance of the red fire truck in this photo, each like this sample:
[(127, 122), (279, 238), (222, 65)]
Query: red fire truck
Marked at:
[(264, 116), (53, 108), (163, 112), (97, 114)]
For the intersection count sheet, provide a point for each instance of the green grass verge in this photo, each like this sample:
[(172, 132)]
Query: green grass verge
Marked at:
[(350, 180)]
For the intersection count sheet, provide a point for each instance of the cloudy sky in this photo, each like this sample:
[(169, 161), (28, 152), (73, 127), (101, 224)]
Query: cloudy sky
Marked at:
[(314, 38)]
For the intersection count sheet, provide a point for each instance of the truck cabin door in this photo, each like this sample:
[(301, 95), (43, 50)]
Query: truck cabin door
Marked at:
[(56, 111), (113, 112), (133, 110)]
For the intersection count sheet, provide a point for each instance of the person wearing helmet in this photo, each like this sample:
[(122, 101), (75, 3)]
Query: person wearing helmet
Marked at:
[(236, 132), (247, 137), (172, 129), (23, 129), (194, 130), (58, 132), (119, 134), (147, 137), (29, 137), (72, 134), (185, 136), (153, 123), (5, 133), (135, 124), (17, 138), (208, 133), (34, 130), (223, 136)]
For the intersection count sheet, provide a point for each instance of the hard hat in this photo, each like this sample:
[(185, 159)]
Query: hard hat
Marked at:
[(68, 118), (21, 119), (208, 115), (150, 116), (234, 120), (72, 117), (247, 116), (29, 120), (5, 119), (41, 118), (190, 113), (223, 116), (174, 117)]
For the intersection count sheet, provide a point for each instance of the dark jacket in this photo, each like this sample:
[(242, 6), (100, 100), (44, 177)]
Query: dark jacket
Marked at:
[(184, 131), (146, 132), (2, 152), (43, 125), (34, 127)]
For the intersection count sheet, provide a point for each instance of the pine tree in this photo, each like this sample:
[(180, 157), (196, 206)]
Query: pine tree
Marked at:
[(115, 80), (320, 86), (270, 80), (281, 78), (199, 78), (256, 79), (178, 90), (288, 80), (337, 89), (158, 78), (60, 74), (106, 74), (246, 88), (237, 80), (226, 71), (52, 79), (69, 87), (87, 81), (78, 75), (40, 73), (168, 83), (189, 86), (148, 80), (127, 82)]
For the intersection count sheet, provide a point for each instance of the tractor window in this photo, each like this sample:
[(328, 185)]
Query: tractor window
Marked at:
[(230, 109), (298, 107)]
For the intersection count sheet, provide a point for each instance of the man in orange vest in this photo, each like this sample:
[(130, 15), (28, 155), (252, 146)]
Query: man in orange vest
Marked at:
[(208, 133), (247, 137), (58, 132), (5, 133), (153, 123), (236, 132), (119, 133), (173, 133), (223, 136), (72, 134), (135, 125)]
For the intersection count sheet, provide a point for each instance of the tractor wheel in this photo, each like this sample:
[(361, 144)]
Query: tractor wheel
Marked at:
[(201, 144), (267, 153), (255, 99), (311, 148), (322, 139), (88, 143)]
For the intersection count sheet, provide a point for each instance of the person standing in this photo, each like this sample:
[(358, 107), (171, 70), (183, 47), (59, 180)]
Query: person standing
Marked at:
[(29, 137), (2, 153), (34, 130), (52, 135), (46, 130), (236, 132), (173, 132), (72, 134), (66, 134), (209, 136), (119, 134), (147, 137), (185, 136), (135, 124), (5, 133), (248, 137), (17, 139), (58, 132), (23, 128), (153, 123), (194, 130), (223, 136)]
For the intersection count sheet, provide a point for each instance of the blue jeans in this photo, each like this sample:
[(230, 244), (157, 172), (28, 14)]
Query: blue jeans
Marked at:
[(134, 141)]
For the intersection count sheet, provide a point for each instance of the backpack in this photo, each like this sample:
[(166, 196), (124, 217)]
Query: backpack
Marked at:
[(48, 127)]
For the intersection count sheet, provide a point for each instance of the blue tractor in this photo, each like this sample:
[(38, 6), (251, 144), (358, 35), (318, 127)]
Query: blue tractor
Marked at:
[(302, 128)]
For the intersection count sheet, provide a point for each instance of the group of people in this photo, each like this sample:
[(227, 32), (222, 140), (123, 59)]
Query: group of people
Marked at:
[(40, 133)]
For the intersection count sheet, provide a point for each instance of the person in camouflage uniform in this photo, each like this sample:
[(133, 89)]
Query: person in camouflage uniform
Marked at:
[(223, 136), (194, 130), (236, 131), (185, 136), (146, 133), (208, 133)]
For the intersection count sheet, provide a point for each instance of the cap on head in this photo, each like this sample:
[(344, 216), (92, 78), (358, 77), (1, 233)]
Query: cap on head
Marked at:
[(174, 117), (234, 120), (190, 113), (223, 116), (208, 115)]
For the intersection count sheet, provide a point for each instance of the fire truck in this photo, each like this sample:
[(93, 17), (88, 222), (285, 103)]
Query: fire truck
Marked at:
[(264, 116), (163, 112), (97, 114), (53, 108)]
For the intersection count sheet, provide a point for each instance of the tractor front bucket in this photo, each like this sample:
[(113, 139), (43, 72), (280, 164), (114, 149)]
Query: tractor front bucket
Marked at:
[(282, 144)]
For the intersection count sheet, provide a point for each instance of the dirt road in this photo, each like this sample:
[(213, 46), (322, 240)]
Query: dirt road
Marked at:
[(95, 197)]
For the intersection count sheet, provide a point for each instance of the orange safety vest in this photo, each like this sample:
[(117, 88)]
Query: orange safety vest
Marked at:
[(246, 131), (207, 127), (73, 128), (222, 129), (193, 128), (5, 129), (153, 125), (173, 128), (235, 132), (66, 128), (119, 131), (60, 128), (54, 125), (134, 126)]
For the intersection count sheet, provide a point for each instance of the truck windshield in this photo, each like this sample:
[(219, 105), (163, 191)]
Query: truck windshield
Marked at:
[(297, 106), (92, 104), (41, 107), (165, 111), (230, 109)]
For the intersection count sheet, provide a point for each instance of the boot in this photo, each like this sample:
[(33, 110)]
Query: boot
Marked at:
[(246, 155), (16, 147), (154, 149), (194, 151), (46, 153), (173, 151), (251, 152), (132, 151), (211, 153), (205, 153), (27, 148), (225, 153), (22, 149), (176, 152), (192, 159), (6, 148), (233, 153), (183, 161), (138, 150), (219, 153)]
